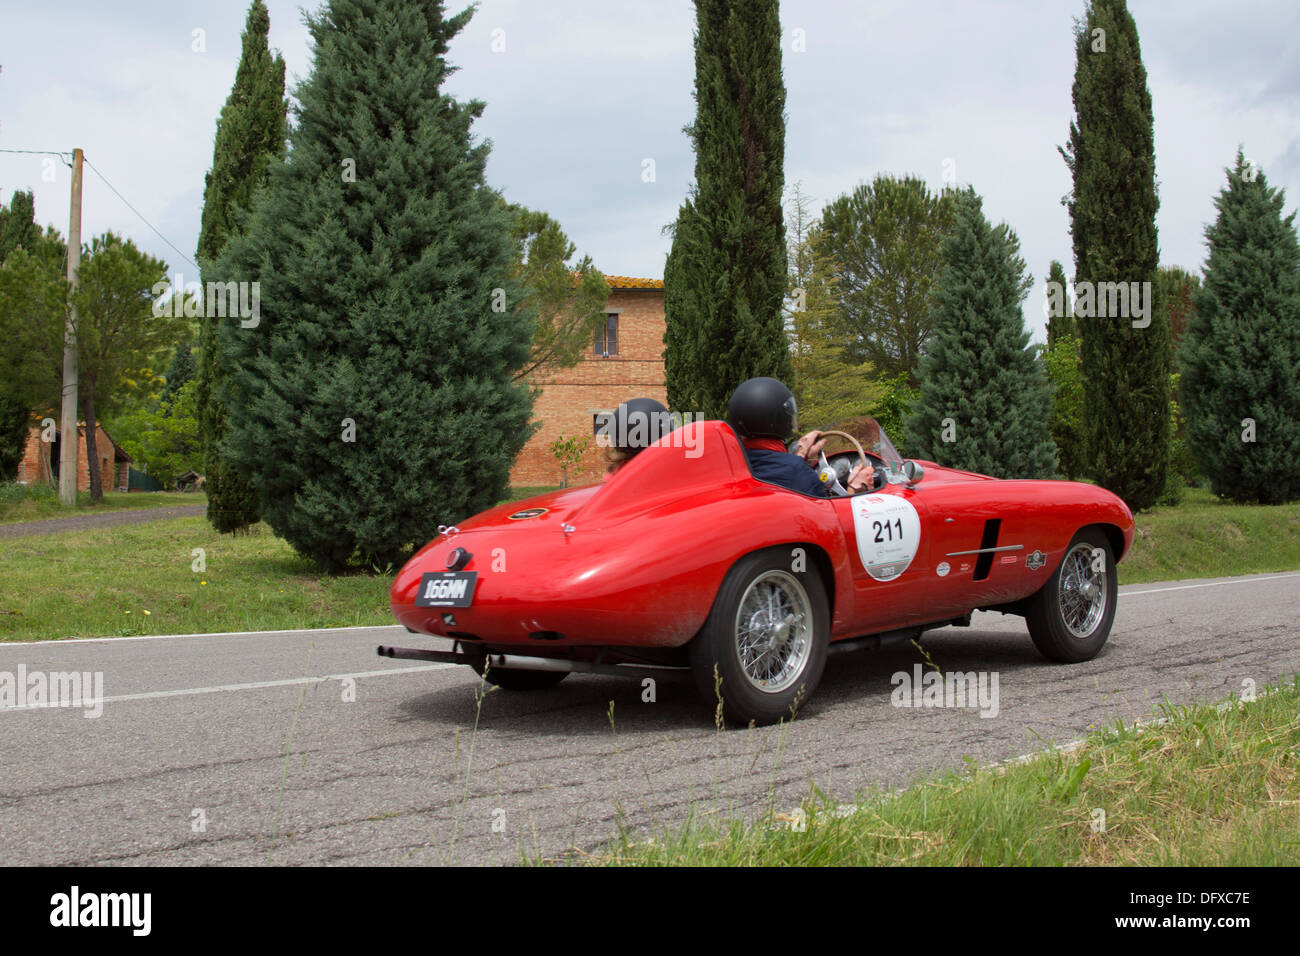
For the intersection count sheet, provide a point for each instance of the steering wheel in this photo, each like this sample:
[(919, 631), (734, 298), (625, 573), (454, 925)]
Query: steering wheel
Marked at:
[(823, 464)]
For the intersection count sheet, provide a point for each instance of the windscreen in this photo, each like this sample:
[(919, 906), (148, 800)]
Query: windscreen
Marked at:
[(873, 438)]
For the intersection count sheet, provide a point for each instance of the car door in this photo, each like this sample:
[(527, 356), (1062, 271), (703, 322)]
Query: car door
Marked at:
[(887, 532), (985, 548)]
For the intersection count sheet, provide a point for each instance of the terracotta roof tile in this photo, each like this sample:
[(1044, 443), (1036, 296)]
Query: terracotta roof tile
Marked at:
[(629, 282)]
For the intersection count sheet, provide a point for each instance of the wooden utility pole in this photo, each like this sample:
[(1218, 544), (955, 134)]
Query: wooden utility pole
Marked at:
[(69, 446)]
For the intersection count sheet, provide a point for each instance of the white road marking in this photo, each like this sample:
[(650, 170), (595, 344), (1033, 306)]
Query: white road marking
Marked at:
[(288, 682)]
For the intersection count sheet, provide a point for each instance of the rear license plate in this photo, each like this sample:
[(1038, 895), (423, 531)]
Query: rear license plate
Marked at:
[(446, 589)]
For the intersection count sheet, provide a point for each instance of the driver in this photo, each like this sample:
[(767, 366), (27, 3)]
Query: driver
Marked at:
[(764, 415)]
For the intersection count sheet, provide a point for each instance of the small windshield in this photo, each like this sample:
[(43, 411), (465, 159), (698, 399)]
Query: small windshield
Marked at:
[(873, 438)]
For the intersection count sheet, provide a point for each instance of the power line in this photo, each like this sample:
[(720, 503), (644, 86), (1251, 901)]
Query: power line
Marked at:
[(39, 152), (62, 155), (138, 213)]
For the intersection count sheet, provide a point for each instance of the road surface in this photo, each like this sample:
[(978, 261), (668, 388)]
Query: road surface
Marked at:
[(305, 748)]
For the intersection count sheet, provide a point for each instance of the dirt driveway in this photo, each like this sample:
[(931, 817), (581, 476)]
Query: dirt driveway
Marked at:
[(84, 522)]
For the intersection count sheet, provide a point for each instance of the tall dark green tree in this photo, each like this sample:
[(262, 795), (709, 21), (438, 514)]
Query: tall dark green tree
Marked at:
[(373, 400), (883, 240), (1111, 153), (180, 371), (250, 134), (1060, 315), (18, 230), (1065, 373), (1175, 293), (725, 278), (1240, 358), (984, 399)]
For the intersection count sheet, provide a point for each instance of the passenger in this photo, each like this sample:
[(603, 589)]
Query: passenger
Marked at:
[(764, 414), (633, 426)]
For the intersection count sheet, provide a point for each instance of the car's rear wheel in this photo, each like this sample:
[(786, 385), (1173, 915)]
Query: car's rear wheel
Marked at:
[(514, 679), (1070, 617), (765, 639)]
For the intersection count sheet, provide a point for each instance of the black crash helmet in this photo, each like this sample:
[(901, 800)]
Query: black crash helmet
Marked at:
[(634, 425), (763, 408)]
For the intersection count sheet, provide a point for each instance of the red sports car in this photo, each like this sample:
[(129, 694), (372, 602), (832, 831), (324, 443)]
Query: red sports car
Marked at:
[(683, 559)]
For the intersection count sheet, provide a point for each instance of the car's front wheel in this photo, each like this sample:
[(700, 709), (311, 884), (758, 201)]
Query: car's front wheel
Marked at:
[(762, 649), (1070, 617)]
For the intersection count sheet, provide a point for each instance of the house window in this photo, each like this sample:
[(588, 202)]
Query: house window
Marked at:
[(607, 337)]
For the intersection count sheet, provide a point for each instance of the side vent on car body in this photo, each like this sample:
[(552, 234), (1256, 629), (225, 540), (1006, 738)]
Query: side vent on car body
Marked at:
[(984, 563)]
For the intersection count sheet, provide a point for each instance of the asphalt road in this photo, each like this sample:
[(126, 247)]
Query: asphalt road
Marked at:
[(245, 749)]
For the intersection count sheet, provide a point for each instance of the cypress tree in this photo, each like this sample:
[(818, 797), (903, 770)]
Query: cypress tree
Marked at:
[(373, 400), (1240, 357), (1060, 315), (1111, 154), (726, 273), (250, 134), (984, 399)]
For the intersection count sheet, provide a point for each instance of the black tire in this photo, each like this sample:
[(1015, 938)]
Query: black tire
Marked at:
[(1063, 617), (803, 635), (514, 679)]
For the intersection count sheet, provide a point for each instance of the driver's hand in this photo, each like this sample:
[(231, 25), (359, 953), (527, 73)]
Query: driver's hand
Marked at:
[(861, 478), (809, 447)]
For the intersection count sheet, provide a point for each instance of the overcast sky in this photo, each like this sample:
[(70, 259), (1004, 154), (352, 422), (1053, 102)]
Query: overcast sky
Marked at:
[(585, 92)]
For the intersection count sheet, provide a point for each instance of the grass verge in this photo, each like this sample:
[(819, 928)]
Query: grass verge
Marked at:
[(1210, 786), (1207, 538), (141, 579)]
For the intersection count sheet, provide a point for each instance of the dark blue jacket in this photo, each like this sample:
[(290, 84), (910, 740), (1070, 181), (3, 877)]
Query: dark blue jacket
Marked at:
[(787, 470)]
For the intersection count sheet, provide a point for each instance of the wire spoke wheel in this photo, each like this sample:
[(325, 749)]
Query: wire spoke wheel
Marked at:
[(774, 631), (762, 650), (1070, 616), (1082, 592)]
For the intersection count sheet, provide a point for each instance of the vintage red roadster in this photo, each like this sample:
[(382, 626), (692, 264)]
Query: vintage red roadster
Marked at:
[(682, 559)]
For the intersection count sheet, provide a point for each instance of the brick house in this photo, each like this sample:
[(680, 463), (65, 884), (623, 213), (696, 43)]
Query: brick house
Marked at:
[(41, 460), (626, 360)]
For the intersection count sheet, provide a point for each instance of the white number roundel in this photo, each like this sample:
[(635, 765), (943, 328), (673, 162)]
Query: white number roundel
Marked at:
[(888, 531)]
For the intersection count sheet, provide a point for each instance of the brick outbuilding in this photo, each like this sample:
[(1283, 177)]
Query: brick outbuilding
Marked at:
[(40, 461), (626, 360)]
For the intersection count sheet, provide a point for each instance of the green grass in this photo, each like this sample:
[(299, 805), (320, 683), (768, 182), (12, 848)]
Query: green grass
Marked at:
[(518, 494), (38, 502), (139, 579), (1212, 786), (1205, 538)]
